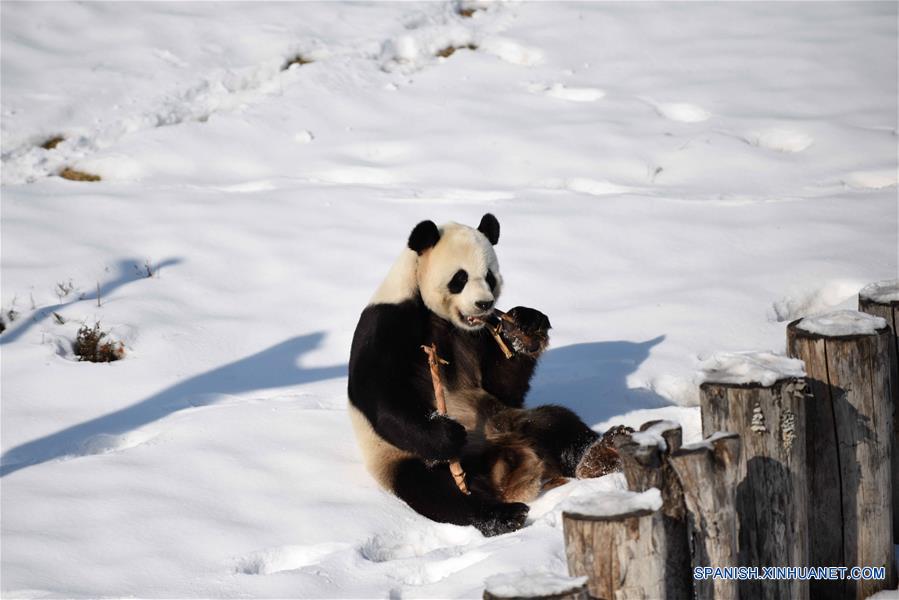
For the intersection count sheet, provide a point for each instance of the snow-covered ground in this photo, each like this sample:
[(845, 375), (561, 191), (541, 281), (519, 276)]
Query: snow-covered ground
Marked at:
[(672, 180)]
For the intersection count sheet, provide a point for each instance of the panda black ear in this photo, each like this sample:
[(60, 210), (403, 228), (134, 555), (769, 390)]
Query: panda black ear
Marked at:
[(424, 236), (490, 227)]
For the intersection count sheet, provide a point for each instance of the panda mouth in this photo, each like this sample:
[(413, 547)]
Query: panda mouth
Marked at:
[(473, 320)]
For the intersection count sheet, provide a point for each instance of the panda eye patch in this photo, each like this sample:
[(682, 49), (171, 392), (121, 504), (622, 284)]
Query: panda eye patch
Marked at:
[(457, 283), (491, 280)]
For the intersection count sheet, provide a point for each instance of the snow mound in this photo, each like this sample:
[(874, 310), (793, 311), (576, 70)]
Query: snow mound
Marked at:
[(522, 584), (882, 292), (613, 503), (810, 301), (740, 368), (842, 322)]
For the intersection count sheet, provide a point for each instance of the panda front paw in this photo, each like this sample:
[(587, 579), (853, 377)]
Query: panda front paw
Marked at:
[(502, 518), (530, 320), (448, 437), (527, 330)]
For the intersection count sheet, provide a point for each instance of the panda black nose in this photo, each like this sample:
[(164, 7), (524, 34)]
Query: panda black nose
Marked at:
[(484, 304)]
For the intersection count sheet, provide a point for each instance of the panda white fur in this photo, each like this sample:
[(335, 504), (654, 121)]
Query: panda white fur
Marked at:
[(446, 276)]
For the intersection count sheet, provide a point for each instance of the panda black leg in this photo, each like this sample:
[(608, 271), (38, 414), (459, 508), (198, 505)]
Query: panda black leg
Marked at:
[(431, 491), (559, 435)]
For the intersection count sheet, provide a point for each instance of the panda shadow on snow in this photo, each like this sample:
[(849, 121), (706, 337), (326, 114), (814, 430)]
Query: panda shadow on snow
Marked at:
[(274, 367), (591, 379)]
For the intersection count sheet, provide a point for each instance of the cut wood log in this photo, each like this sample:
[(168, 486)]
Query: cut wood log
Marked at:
[(622, 554), (771, 480), (708, 473), (644, 462), (848, 446), (535, 586), (881, 299)]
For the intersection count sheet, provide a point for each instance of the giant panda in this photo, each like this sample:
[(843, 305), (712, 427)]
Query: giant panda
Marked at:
[(438, 291)]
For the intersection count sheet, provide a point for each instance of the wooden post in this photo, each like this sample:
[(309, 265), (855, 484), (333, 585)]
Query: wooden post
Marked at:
[(881, 299), (849, 443), (535, 586), (621, 553), (771, 494), (708, 472), (644, 462)]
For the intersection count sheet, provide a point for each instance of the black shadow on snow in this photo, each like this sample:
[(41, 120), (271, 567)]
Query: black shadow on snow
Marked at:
[(591, 379), (274, 367), (127, 270)]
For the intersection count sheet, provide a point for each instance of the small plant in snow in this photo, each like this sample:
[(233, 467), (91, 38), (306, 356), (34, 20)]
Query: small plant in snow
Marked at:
[(64, 288), (8, 316), (76, 175), (89, 345), (758, 419), (298, 60), (450, 50), (52, 142)]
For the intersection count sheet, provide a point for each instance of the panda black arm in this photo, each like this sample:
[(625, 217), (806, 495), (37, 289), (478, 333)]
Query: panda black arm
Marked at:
[(390, 384), (509, 378)]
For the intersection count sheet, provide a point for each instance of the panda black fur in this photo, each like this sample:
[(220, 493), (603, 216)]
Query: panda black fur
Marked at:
[(508, 453)]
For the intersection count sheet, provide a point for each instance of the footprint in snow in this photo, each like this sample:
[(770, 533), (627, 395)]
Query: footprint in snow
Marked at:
[(871, 180), (285, 558), (573, 94), (584, 185), (781, 140), (683, 112)]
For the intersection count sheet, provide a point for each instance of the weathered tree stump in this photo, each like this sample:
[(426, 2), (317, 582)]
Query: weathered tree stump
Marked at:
[(708, 472), (849, 446), (762, 397), (619, 545), (644, 461), (535, 586), (881, 299)]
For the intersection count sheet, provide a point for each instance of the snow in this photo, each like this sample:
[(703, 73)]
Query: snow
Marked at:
[(523, 584), (882, 292), (842, 322), (614, 503), (217, 458), (708, 442), (742, 368), (652, 436)]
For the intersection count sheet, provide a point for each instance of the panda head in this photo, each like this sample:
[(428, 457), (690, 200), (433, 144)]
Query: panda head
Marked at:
[(458, 274)]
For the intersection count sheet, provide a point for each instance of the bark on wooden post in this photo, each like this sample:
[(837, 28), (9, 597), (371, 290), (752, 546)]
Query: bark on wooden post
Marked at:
[(762, 397), (849, 443), (535, 586), (644, 461), (617, 540), (881, 299), (708, 472)]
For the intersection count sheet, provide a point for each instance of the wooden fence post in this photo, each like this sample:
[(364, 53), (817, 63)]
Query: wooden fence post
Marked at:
[(619, 546), (881, 299), (708, 472), (849, 442), (535, 586), (762, 397), (644, 461)]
